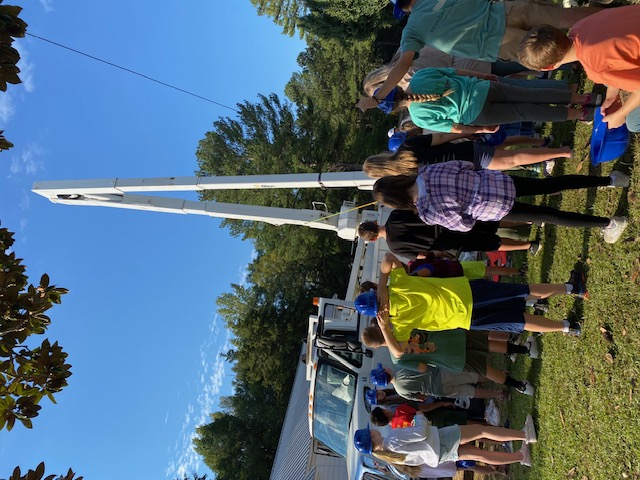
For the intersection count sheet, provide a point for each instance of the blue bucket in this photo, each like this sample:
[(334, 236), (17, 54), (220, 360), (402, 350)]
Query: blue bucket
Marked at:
[(607, 144)]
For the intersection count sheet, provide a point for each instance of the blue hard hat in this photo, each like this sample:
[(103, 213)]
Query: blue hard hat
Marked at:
[(397, 11), (386, 104), (371, 396), (396, 140), (607, 143), (367, 304), (379, 376), (362, 440)]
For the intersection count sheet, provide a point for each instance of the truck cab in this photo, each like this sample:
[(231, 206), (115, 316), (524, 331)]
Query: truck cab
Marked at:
[(338, 368)]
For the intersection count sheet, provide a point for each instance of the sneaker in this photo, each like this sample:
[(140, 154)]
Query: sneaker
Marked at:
[(575, 329), (532, 345), (529, 430), (526, 455), (578, 283), (526, 389), (614, 230), (534, 248), (619, 179), (547, 168)]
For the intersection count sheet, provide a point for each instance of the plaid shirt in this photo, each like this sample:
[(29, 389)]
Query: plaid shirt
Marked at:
[(455, 196)]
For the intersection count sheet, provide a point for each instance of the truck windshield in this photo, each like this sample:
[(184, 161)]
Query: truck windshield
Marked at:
[(334, 395)]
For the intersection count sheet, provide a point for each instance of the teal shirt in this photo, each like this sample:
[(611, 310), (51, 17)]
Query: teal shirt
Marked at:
[(464, 28), (463, 106), (446, 349)]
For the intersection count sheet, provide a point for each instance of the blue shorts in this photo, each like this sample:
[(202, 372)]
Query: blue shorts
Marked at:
[(498, 306)]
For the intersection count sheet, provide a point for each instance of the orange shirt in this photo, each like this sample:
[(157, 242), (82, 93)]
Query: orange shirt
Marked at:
[(608, 47)]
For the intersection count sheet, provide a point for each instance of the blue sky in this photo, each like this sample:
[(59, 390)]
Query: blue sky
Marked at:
[(139, 323)]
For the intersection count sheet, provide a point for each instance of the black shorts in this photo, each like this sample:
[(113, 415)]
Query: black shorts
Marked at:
[(482, 238)]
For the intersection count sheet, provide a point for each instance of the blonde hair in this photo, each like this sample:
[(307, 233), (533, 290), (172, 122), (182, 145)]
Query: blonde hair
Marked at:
[(412, 471), (377, 77), (402, 162), (390, 457)]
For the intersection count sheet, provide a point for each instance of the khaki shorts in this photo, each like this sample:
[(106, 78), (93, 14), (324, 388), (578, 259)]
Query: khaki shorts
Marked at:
[(522, 16), (458, 384)]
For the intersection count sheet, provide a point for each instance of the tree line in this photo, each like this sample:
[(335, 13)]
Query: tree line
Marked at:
[(316, 128)]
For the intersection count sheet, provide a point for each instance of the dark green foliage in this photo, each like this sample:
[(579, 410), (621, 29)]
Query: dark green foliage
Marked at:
[(194, 476), (10, 27), (319, 131), (345, 20), (27, 374), (4, 143), (38, 474), (283, 12)]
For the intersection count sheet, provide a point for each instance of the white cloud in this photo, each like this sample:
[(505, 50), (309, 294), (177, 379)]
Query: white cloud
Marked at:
[(26, 67), (47, 5), (29, 161), (7, 107), (25, 201), (210, 380)]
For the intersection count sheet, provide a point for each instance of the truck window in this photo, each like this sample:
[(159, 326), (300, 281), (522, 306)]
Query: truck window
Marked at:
[(334, 396)]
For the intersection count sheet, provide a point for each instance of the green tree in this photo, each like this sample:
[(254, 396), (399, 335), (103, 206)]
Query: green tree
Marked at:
[(284, 12), (27, 374), (194, 476), (10, 27), (38, 474)]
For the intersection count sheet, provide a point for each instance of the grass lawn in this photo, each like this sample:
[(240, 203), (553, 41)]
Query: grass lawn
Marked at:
[(587, 403)]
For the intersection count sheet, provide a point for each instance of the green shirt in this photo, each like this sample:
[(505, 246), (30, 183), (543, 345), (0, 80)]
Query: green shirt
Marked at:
[(446, 350), (428, 303), (462, 106), (464, 28)]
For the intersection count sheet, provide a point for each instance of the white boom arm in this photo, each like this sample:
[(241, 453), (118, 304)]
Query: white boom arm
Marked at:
[(116, 192)]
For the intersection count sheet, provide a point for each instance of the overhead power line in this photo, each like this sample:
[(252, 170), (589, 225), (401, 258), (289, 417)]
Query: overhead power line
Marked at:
[(133, 72)]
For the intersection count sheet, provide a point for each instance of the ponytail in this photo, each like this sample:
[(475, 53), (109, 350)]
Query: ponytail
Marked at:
[(390, 457), (402, 162), (402, 99)]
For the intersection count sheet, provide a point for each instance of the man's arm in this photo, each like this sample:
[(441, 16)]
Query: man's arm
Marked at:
[(395, 347), (396, 74), (617, 118), (389, 262)]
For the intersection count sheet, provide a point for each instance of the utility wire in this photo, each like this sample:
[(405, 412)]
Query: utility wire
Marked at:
[(133, 72)]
